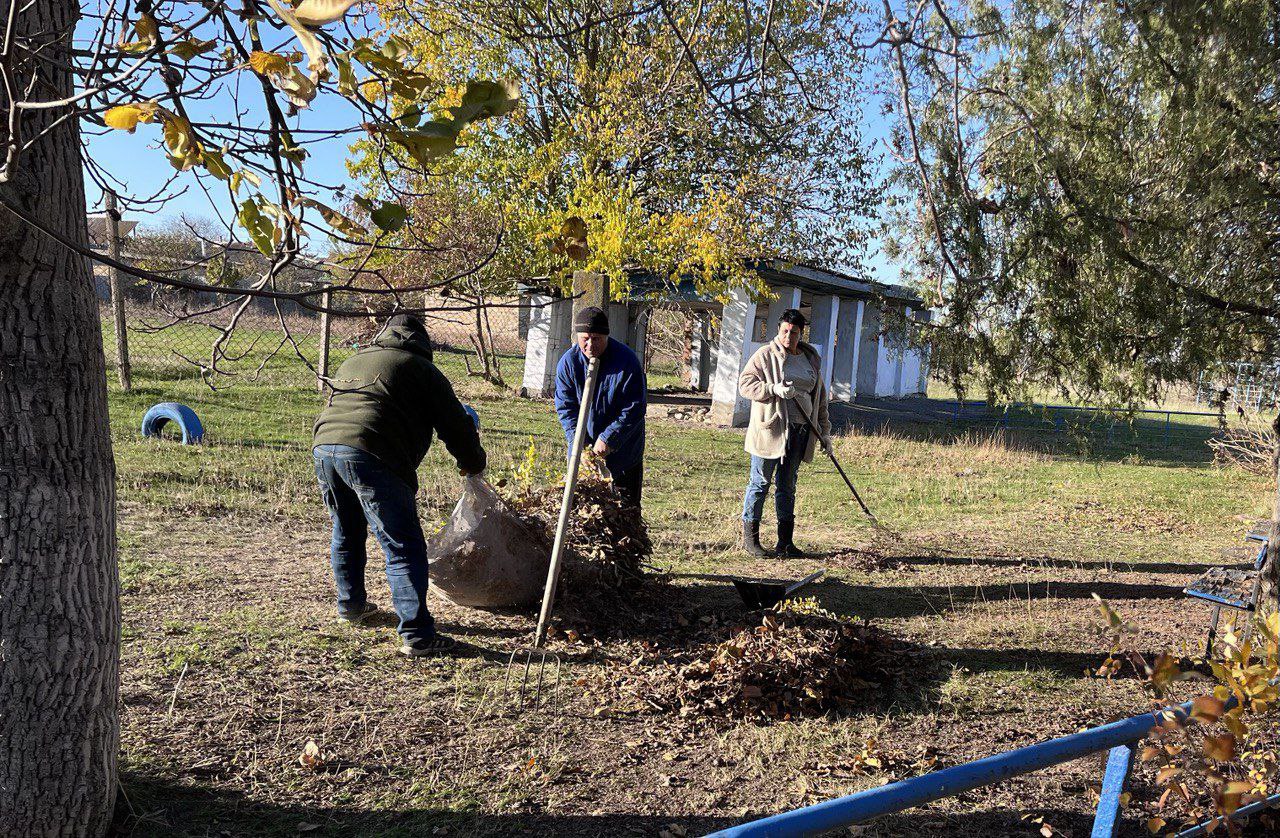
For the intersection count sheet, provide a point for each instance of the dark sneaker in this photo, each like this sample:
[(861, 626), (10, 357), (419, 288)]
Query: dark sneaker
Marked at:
[(360, 615), (437, 645)]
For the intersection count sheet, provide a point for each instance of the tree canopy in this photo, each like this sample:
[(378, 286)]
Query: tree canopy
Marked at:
[(684, 137), (1089, 190)]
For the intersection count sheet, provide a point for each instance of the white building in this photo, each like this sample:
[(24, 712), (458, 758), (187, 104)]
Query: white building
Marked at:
[(865, 351)]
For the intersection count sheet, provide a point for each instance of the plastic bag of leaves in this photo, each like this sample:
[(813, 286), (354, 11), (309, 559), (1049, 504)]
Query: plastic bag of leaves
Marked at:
[(800, 660), (608, 542), (488, 555)]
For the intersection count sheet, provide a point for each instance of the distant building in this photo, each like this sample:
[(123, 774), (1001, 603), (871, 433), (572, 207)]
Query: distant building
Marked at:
[(865, 352)]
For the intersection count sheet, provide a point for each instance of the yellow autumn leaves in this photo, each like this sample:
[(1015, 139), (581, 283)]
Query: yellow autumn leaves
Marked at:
[(184, 150), (439, 137), (424, 130), (127, 117), (145, 32), (268, 63), (285, 76)]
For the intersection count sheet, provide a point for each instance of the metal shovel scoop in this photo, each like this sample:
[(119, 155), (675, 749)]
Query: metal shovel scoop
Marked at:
[(757, 594)]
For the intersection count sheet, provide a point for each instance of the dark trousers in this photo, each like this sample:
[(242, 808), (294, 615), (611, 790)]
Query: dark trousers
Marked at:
[(628, 483), (361, 494)]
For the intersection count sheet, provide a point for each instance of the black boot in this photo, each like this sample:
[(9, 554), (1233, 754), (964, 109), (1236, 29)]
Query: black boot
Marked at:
[(786, 547), (751, 539)]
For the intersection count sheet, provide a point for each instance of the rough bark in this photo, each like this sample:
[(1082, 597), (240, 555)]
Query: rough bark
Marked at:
[(1269, 594), (59, 610)]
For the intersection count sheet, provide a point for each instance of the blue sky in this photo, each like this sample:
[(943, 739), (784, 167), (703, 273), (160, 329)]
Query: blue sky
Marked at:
[(140, 162)]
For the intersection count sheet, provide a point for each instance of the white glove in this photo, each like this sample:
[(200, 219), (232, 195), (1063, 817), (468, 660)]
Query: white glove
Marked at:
[(784, 390)]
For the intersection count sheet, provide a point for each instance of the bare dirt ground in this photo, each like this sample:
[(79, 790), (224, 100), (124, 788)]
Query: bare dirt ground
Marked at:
[(233, 662)]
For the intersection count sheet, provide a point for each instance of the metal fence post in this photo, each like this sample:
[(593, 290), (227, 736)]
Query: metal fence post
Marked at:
[(117, 297), (1107, 820), (323, 364)]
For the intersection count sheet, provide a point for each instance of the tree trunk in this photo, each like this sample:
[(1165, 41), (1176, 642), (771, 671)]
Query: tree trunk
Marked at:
[(59, 593), (1269, 595)]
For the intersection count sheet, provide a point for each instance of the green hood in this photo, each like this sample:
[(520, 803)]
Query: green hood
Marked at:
[(406, 338)]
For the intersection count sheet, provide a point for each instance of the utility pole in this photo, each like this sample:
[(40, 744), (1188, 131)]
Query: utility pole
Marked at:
[(117, 296)]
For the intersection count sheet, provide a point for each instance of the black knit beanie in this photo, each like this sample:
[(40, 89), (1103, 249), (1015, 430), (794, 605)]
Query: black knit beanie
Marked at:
[(592, 320)]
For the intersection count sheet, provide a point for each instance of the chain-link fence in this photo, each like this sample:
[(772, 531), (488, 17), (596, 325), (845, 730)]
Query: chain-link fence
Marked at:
[(171, 337)]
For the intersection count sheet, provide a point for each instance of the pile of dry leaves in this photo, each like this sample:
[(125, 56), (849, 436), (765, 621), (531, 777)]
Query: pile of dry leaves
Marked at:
[(608, 543), (799, 660)]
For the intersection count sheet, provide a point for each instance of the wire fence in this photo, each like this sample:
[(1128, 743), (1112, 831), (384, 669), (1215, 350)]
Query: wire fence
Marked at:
[(226, 341), (167, 338)]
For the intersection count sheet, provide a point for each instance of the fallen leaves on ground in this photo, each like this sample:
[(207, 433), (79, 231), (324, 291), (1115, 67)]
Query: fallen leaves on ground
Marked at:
[(796, 661)]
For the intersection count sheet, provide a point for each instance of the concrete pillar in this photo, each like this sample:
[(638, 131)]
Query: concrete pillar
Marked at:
[(888, 363), (736, 321), (550, 334), (788, 297), (522, 318), (909, 368), (844, 361), (590, 289), (637, 328), (824, 318), (922, 384), (868, 351), (702, 363), (619, 324)]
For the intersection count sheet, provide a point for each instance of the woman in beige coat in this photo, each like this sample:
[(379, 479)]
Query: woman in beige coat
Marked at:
[(783, 379)]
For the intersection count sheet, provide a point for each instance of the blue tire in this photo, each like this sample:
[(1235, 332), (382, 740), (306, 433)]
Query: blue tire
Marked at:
[(161, 414), (475, 417)]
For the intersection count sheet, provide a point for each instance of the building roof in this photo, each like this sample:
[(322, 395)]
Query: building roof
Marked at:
[(98, 229), (645, 284), (827, 281)]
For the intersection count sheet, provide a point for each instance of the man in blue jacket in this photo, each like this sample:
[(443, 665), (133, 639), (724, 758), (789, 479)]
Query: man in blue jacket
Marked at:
[(615, 421)]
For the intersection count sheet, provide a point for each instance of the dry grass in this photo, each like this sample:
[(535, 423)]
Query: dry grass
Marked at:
[(228, 620)]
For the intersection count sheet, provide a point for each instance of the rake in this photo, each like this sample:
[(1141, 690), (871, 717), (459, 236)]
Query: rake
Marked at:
[(827, 450), (539, 668)]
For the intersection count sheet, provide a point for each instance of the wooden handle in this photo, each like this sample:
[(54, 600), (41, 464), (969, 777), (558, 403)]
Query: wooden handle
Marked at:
[(566, 502)]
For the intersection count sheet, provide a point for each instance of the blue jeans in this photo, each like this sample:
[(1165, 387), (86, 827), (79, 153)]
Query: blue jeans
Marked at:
[(361, 493), (783, 471)]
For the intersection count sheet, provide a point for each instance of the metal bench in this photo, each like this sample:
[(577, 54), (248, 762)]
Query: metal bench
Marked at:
[(1236, 588)]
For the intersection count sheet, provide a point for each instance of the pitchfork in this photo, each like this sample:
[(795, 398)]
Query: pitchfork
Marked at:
[(535, 661)]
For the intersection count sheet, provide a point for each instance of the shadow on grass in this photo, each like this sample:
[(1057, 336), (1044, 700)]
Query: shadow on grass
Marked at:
[(1063, 664), (933, 600), (1180, 568), (149, 808)]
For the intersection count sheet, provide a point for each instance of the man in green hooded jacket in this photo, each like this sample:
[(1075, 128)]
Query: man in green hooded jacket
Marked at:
[(386, 404)]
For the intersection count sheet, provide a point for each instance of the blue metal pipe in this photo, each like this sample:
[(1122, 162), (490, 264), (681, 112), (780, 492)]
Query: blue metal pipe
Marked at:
[(916, 791), (1230, 603), (1107, 819), (1243, 812)]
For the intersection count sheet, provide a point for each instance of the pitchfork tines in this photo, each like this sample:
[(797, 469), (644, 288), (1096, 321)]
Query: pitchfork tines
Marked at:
[(539, 671)]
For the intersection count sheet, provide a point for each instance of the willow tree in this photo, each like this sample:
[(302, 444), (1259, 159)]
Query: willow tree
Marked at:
[(214, 85), (688, 137), (1090, 190)]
